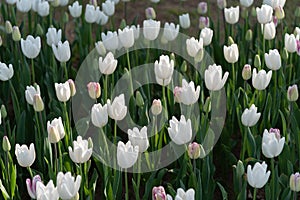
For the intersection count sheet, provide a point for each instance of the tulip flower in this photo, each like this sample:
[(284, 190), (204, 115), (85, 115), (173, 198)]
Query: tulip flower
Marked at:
[(221, 4), (261, 80), (269, 31), (156, 107), (187, 94), (295, 182), (31, 47), (151, 29), (272, 143), (94, 90), (55, 130), (170, 31), (247, 72), (62, 51), (193, 46), (91, 13), (127, 154), (232, 14), (11, 2), (202, 8), (264, 14), (258, 176), (290, 43), (25, 156), (182, 195), (67, 186), (108, 64), (273, 59), (72, 87), (195, 151), (231, 53), (159, 193), (5, 142), (180, 131), (53, 36), (184, 21), (117, 109), (213, 77), (63, 91), (150, 13), (99, 115), (38, 104), (250, 116), (8, 27), (246, 3), (292, 93), (24, 5), (16, 35), (279, 12), (139, 138), (48, 192), (102, 18), (108, 7), (203, 22), (32, 186), (100, 48), (75, 10), (110, 40), (63, 2), (164, 69), (207, 35), (81, 151), (126, 37), (136, 31), (274, 3), (43, 8), (6, 73)]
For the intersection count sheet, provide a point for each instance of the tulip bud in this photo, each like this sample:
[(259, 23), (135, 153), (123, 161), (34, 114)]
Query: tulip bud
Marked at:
[(16, 35), (94, 90), (38, 104), (279, 12), (183, 66), (285, 54), (39, 30), (194, 150), (240, 169), (72, 87), (203, 22), (65, 17), (222, 4), (53, 135), (172, 57), (123, 24), (292, 93), (295, 182), (249, 35), (247, 72), (8, 27), (230, 41), (253, 12), (199, 56), (3, 112), (156, 107), (139, 99), (55, 3), (244, 13), (297, 12), (202, 8), (6, 144), (90, 143), (257, 62), (150, 13), (207, 105)]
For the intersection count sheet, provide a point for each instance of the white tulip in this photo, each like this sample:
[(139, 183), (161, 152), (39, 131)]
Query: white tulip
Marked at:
[(264, 14), (246, 3), (193, 46), (151, 29), (207, 35), (184, 21), (102, 18), (63, 92), (273, 59), (63, 2), (100, 48), (170, 31), (136, 31), (108, 65), (182, 195), (275, 3), (126, 37), (127, 154), (139, 138), (53, 36), (99, 115), (6, 73), (250, 116), (91, 13), (269, 31), (164, 68), (180, 131), (232, 14), (108, 7), (231, 53), (156, 107), (213, 77), (31, 47), (48, 192), (56, 130), (25, 156), (35, 4), (62, 51), (187, 94), (272, 143), (81, 151), (261, 80), (110, 40), (258, 176), (75, 10), (43, 8), (11, 2), (290, 43), (163, 82), (24, 5), (67, 186), (117, 109), (30, 92)]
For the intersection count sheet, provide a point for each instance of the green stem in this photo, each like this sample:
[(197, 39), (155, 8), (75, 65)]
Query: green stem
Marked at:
[(60, 156), (126, 186), (165, 102), (138, 179), (68, 130), (244, 144), (273, 178), (105, 88), (64, 65), (82, 182), (29, 22), (234, 77), (129, 69), (264, 48), (32, 71), (16, 100), (30, 172), (254, 193), (55, 159)]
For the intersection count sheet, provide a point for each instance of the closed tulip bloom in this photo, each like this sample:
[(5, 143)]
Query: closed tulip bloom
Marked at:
[(193, 46), (187, 94), (182, 195), (110, 40), (246, 3), (75, 10), (151, 29), (102, 18), (30, 92), (164, 68), (100, 48), (91, 13), (184, 21), (207, 35), (108, 7), (250, 116), (67, 186), (43, 8), (261, 80), (117, 110), (99, 115), (56, 130), (195, 151), (62, 51), (279, 12), (231, 53), (202, 8), (16, 35), (272, 143), (48, 192), (264, 14), (127, 154), (156, 107), (136, 31), (150, 13), (94, 90), (180, 131), (38, 104), (63, 92), (126, 37), (203, 22), (72, 87), (292, 93), (247, 72), (275, 3), (81, 151), (269, 31), (232, 14), (258, 176), (170, 31), (25, 156), (108, 64), (6, 72), (273, 59), (290, 43), (213, 77), (31, 47), (8, 27), (295, 182), (53, 36), (159, 193), (139, 138), (23, 5), (32, 186), (221, 4), (63, 2)]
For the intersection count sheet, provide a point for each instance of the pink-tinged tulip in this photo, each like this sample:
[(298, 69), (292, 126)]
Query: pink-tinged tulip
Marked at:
[(203, 22), (272, 143), (159, 193), (292, 93), (295, 182), (31, 185), (202, 8), (247, 72), (94, 90), (156, 107)]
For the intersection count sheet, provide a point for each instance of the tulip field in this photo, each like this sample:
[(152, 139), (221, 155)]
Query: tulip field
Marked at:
[(149, 99)]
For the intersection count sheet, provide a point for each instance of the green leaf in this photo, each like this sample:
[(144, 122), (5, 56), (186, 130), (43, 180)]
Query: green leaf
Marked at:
[(223, 191), (13, 180)]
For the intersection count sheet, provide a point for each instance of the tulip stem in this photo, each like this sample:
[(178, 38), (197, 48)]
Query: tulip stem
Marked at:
[(126, 186), (32, 71), (129, 71), (137, 195), (64, 65), (234, 76), (165, 101), (56, 159), (254, 193), (30, 172), (264, 47), (40, 139), (244, 143), (67, 123), (105, 88), (295, 195), (273, 178), (15, 101)]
